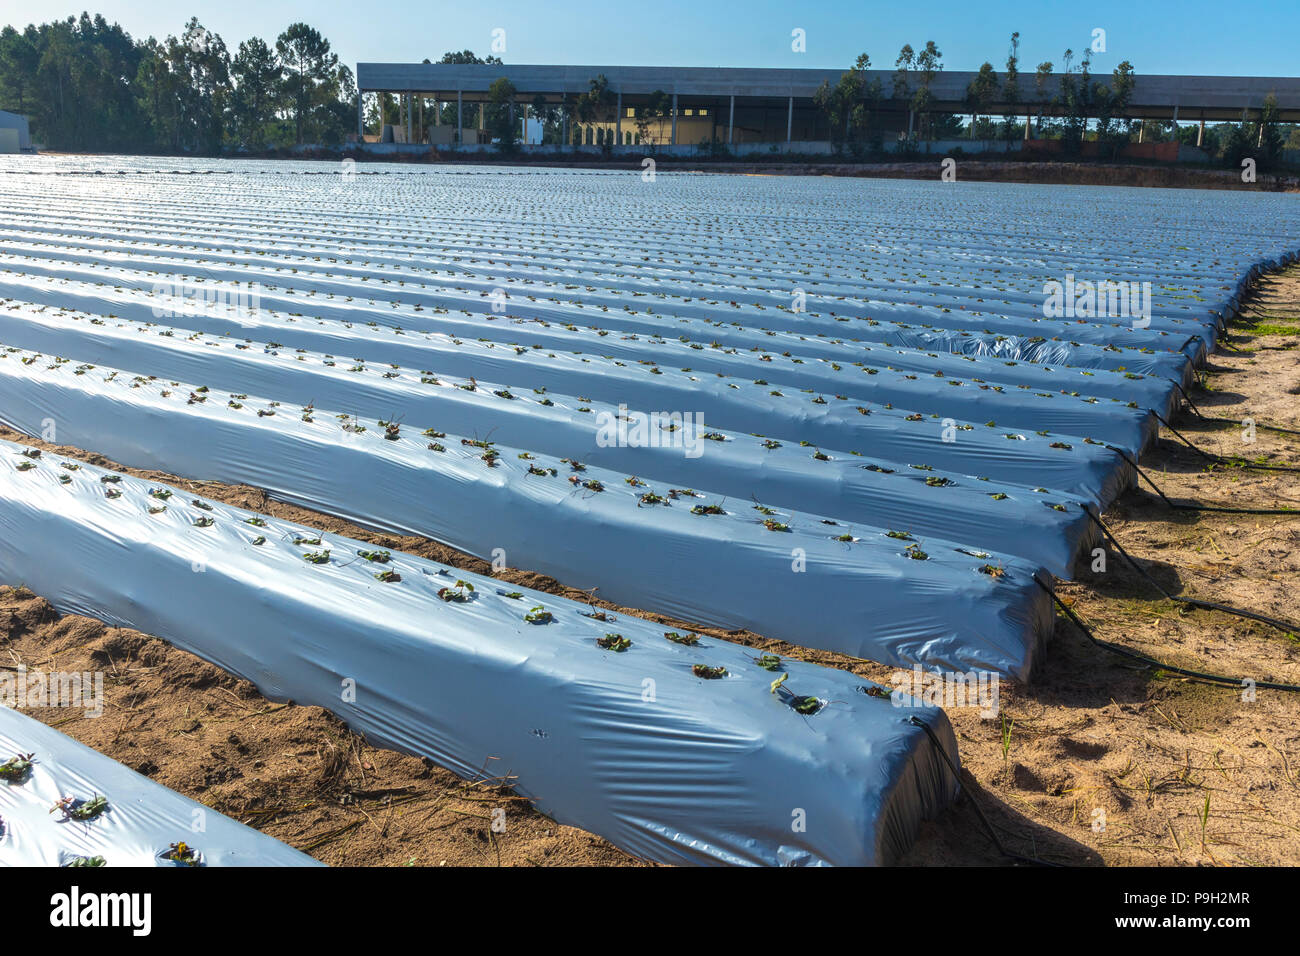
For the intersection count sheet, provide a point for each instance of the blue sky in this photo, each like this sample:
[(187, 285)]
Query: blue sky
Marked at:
[(1251, 37)]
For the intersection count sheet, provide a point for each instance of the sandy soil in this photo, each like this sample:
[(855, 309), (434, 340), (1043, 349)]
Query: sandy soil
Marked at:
[(1100, 761)]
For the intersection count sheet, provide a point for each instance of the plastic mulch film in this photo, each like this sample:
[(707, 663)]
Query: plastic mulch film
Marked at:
[(139, 823), (678, 748), (701, 557)]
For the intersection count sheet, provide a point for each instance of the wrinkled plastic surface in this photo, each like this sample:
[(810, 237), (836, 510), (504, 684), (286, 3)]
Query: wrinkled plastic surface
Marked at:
[(630, 745), (939, 603), (143, 818), (845, 487)]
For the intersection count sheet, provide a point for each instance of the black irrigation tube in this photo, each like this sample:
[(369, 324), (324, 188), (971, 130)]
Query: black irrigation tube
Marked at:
[(1151, 661), (988, 827), (1283, 626), (1181, 506)]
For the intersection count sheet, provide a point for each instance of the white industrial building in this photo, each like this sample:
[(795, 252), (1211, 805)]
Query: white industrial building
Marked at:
[(15, 136)]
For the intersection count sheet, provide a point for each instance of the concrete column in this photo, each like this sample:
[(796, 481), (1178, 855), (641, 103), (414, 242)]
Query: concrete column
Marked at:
[(409, 97), (1200, 132), (911, 117), (731, 120), (618, 121), (564, 125), (1142, 126), (674, 140), (437, 112), (460, 117), (789, 120), (1174, 131), (1028, 120), (361, 116), (482, 115), (1260, 141)]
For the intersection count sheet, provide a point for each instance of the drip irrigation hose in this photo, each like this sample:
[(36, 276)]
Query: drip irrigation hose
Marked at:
[(1182, 506), (988, 827), (1151, 661), (1229, 421), (1219, 459), (1193, 602)]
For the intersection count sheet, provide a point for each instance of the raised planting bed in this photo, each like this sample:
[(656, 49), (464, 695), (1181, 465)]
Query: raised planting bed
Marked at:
[(786, 574), (75, 807), (846, 486), (500, 682), (832, 420)]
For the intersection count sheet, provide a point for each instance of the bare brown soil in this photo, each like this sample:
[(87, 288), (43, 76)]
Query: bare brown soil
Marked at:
[(1100, 761)]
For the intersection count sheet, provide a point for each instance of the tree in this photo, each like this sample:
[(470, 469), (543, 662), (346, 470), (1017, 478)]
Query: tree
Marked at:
[(1114, 128), (1261, 140), (980, 93), (1042, 77), (467, 58), (309, 76), (1011, 88), (847, 106), (500, 123), (18, 59), (594, 105), (928, 62), (659, 105), (255, 72), (903, 72)]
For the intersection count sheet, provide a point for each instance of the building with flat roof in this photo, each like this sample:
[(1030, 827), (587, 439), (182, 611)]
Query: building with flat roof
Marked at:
[(743, 105), (15, 136)]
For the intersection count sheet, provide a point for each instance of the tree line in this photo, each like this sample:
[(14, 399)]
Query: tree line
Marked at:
[(86, 85), (1072, 106)]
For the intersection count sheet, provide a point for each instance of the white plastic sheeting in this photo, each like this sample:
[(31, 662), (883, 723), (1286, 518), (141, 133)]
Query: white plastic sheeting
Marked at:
[(974, 394), (843, 486), (1092, 471), (793, 579), (630, 745), (142, 821)]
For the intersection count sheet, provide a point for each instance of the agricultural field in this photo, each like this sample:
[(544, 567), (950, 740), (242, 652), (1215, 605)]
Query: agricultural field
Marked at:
[(592, 517)]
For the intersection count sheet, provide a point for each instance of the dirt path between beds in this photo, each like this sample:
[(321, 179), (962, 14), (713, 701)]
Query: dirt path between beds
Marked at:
[(1100, 761)]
